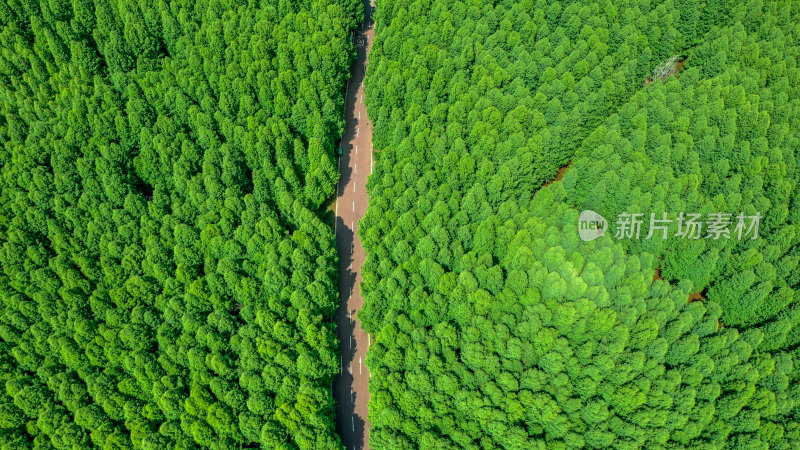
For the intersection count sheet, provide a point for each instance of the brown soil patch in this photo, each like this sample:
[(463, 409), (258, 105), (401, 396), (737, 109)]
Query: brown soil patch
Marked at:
[(657, 275), (559, 174), (696, 297), (665, 72)]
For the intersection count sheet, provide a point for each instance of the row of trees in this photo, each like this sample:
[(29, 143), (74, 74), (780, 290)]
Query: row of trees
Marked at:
[(493, 324), (167, 280)]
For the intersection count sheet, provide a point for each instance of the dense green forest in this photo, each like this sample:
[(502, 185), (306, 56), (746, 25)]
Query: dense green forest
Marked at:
[(167, 276), (493, 325), (723, 136), (167, 280)]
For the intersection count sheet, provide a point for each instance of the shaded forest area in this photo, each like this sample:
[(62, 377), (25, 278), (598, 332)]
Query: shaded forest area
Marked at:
[(493, 324), (166, 279)]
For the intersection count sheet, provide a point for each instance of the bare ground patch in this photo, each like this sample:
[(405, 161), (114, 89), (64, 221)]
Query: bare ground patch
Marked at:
[(559, 174)]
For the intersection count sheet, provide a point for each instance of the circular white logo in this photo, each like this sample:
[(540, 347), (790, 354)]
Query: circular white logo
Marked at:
[(591, 225)]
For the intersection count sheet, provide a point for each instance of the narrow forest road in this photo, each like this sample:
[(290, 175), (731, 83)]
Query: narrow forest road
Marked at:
[(350, 386)]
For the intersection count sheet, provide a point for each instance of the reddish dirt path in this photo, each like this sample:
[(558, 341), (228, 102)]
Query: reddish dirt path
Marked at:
[(350, 386), (560, 174)]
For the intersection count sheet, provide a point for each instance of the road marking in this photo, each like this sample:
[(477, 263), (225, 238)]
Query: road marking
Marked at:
[(351, 341), (354, 206), (369, 340), (356, 144), (352, 422), (359, 365), (355, 168), (352, 227), (359, 115), (354, 187)]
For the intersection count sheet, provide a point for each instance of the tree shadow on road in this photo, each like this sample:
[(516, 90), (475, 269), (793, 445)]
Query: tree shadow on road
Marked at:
[(349, 426)]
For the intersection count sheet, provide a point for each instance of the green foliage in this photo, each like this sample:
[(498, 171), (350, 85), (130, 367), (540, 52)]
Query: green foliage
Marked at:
[(717, 138), (167, 280), (493, 325)]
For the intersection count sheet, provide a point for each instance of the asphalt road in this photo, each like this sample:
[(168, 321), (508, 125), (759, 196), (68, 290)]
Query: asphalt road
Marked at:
[(350, 388)]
